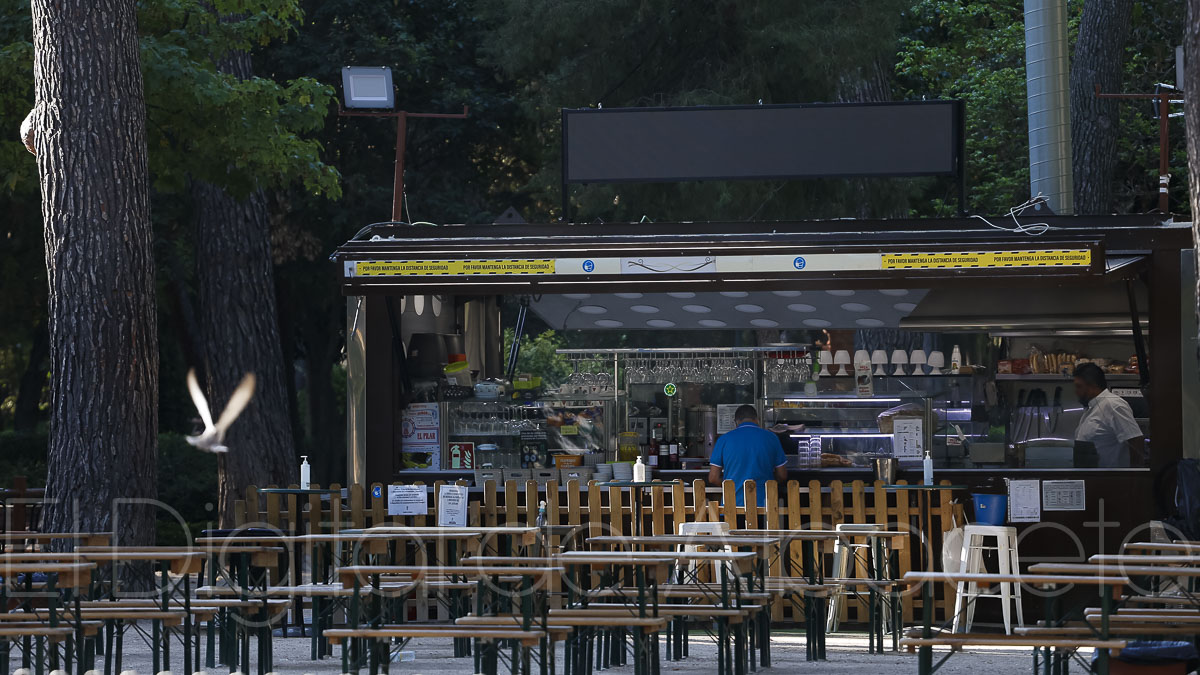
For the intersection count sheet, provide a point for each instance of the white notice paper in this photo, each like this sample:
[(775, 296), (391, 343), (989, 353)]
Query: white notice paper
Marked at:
[(452, 506), (908, 437), (1024, 501), (407, 500), (725, 412), (1063, 495)]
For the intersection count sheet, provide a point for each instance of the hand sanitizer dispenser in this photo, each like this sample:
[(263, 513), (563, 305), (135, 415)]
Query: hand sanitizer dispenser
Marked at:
[(305, 472)]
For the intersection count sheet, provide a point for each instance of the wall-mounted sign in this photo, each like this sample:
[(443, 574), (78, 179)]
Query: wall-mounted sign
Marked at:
[(461, 456), (670, 389)]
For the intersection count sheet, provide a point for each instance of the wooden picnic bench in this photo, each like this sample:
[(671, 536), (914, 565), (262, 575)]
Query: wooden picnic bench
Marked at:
[(488, 635), (1045, 576)]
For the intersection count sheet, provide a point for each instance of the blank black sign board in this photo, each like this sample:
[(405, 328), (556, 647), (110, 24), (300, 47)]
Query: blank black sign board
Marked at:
[(915, 138)]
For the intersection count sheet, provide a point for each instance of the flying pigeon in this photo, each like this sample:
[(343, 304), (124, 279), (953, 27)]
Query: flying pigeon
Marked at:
[(210, 439)]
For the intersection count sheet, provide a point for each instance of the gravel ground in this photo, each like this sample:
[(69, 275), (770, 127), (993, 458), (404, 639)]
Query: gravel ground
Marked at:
[(847, 653)]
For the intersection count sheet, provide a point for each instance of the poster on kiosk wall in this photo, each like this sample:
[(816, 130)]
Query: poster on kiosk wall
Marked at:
[(420, 439)]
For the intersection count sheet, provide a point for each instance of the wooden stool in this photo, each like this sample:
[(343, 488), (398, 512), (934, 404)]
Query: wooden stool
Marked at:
[(845, 552)]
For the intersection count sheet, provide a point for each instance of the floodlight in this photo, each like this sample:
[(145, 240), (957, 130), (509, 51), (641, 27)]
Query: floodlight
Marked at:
[(368, 87)]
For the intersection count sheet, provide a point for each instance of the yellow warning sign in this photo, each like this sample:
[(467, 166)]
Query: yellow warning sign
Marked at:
[(451, 268), (987, 259)]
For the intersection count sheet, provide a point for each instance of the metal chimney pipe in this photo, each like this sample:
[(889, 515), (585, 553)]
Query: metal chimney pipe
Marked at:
[(1048, 94)]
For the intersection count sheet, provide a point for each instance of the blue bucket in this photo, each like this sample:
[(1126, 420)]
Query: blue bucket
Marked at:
[(991, 509)]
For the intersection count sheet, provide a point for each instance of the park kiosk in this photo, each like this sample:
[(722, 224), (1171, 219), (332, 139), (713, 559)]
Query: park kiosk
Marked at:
[(970, 325)]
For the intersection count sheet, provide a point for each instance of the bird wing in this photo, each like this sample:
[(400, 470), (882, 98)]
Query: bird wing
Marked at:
[(237, 402), (198, 399)]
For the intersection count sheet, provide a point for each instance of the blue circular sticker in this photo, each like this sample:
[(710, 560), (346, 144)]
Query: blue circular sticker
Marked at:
[(799, 263), (588, 266)]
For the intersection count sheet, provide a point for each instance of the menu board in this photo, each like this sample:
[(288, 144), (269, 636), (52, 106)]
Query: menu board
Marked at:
[(1064, 495), (1024, 501), (725, 417), (908, 437)]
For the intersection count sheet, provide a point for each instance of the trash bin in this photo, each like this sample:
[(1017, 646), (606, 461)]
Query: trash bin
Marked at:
[(991, 509), (1154, 658)]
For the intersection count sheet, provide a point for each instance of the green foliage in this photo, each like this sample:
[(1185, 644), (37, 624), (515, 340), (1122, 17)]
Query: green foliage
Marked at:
[(538, 356), (974, 51), (584, 53), (24, 455), (212, 125), (22, 266)]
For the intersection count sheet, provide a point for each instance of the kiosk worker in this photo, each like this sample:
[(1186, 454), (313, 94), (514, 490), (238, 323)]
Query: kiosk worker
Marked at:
[(749, 452), (1107, 419)]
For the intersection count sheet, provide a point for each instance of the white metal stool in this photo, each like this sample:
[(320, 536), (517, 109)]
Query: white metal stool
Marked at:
[(974, 544), (702, 529), (844, 551)]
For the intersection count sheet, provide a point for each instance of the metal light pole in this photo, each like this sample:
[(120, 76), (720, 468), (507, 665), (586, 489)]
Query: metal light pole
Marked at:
[(401, 131)]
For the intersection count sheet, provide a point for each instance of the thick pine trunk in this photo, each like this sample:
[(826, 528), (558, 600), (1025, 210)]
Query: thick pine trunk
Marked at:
[(1099, 56), (91, 155), (240, 330), (1191, 86), (240, 334)]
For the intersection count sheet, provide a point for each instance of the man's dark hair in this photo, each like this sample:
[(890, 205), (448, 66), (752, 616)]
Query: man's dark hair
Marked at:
[(1091, 374), (745, 413)]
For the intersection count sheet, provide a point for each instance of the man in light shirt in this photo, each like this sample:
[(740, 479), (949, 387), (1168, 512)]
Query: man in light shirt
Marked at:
[(1107, 420)]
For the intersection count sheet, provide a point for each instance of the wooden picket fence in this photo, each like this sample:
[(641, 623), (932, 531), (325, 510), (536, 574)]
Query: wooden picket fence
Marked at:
[(609, 510)]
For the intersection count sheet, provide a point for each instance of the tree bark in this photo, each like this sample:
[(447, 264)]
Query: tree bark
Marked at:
[(91, 154), (1099, 57), (1191, 87), (240, 330)]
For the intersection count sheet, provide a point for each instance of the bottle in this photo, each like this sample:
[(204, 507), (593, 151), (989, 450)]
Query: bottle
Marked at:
[(673, 455), (955, 360), (541, 527), (639, 470), (664, 456), (305, 472), (927, 468)]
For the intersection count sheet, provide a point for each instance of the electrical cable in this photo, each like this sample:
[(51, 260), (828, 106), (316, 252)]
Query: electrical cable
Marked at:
[(1032, 229)]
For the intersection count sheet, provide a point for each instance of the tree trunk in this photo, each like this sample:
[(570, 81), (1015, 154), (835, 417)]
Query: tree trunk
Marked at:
[(240, 334), (91, 155), (1099, 56), (1191, 87), (240, 330), (327, 429), (33, 381)]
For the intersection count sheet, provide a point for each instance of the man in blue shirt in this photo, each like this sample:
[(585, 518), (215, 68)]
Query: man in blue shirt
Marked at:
[(749, 452)]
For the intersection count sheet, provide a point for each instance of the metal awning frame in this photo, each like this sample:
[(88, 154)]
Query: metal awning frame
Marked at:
[(1117, 246)]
